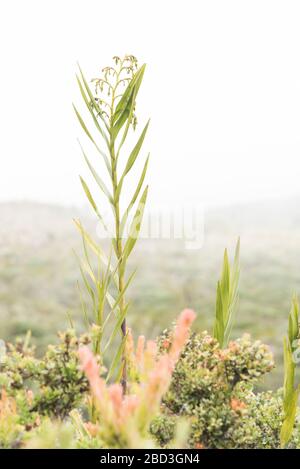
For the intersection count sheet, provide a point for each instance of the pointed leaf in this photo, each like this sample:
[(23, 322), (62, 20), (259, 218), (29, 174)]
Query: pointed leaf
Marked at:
[(91, 200), (97, 178), (132, 158), (116, 359), (91, 96), (135, 226), (135, 195)]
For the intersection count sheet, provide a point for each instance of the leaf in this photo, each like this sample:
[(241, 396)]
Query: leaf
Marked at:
[(97, 178), (81, 121), (118, 126), (91, 200), (293, 329), (116, 329), (132, 158), (131, 105), (117, 358), (290, 395), (91, 96), (225, 286), (93, 245), (125, 107), (90, 108), (227, 295), (135, 196), (134, 154), (87, 285), (289, 373), (135, 226), (219, 322), (289, 420), (127, 95), (102, 153), (121, 294)]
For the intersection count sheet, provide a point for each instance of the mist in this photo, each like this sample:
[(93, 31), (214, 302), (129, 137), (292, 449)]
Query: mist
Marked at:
[(223, 96)]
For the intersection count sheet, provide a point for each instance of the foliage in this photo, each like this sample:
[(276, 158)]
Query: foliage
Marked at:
[(227, 290), (124, 421), (182, 391), (54, 382), (290, 394), (52, 435), (112, 109), (213, 387), (10, 426)]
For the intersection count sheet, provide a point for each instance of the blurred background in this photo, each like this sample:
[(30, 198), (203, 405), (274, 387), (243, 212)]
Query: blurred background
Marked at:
[(222, 89)]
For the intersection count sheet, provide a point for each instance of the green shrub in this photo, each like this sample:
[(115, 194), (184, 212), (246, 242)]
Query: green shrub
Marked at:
[(55, 381), (214, 388)]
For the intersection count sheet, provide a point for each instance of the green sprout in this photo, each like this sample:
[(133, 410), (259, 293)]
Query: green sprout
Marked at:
[(226, 300), (290, 393)]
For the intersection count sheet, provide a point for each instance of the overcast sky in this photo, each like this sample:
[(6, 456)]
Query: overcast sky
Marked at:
[(222, 88)]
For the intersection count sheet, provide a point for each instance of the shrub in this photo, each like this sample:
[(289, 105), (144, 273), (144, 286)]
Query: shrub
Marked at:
[(214, 389), (54, 382)]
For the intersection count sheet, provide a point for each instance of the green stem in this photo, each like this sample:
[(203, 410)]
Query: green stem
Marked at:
[(119, 247)]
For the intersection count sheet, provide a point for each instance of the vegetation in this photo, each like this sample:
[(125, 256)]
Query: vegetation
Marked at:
[(182, 391), (113, 112), (227, 289), (291, 358), (101, 390)]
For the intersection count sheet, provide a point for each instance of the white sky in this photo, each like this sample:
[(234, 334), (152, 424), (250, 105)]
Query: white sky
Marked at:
[(222, 88)]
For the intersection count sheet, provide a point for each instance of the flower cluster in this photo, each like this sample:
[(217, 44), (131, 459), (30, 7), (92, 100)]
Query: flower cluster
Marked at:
[(108, 87)]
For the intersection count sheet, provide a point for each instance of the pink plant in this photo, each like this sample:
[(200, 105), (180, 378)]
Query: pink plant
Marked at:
[(133, 412), (181, 333)]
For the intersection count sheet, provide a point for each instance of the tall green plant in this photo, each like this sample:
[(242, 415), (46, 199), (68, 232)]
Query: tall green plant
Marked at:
[(290, 393), (112, 111), (227, 294)]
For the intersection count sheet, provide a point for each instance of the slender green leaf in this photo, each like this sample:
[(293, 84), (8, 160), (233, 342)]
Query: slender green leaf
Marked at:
[(117, 358), (94, 102), (127, 95), (90, 106), (125, 107), (92, 202), (102, 153), (98, 179), (131, 105), (135, 226), (116, 329), (289, 421), (219, 323), (135, 152), (135, 195), (226, 300), (132, 158)]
